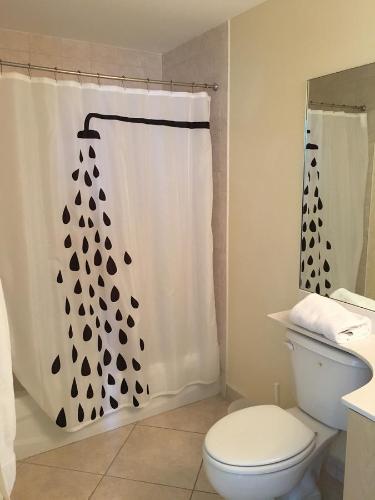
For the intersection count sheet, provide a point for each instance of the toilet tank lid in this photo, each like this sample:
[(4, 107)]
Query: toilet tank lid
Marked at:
[(325, 350), (259, 435)]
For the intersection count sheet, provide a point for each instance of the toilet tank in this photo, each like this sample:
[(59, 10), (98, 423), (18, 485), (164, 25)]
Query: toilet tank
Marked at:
[(322, 375)]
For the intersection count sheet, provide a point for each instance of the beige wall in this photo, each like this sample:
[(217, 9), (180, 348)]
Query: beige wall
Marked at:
[(205, 59), (275, 48), (74, 54)]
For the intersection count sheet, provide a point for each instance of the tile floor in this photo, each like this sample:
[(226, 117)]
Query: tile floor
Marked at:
[(159, 458)]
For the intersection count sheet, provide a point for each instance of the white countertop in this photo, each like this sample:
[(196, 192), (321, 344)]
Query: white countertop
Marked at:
[(361, 400)]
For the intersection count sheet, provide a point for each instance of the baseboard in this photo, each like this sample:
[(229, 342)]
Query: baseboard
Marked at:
[(232, 394)]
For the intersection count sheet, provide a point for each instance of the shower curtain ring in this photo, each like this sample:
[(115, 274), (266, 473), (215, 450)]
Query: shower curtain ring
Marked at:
[(98, 78), (148, 85), (192, 87), (79, 76), (123, 80), (29, 70), (55, 73), (171, 85)]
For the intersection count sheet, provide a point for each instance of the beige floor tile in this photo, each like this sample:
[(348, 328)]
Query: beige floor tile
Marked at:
[(114, 488), (37, 482), (200, 495), (89, 455), (203, 483), (197, 417), (162, 456)]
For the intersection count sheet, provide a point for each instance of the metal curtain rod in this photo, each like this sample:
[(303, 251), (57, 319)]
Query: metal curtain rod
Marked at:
[(98, 76), (338, 106)]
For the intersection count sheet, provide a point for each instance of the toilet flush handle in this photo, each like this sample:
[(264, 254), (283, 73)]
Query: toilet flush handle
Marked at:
[(289, 345)]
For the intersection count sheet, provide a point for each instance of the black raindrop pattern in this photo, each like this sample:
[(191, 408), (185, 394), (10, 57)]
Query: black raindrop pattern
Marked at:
[(85, 245), (92, 203), (90, 392), (74, 389), (68, 242), (56, 365), (81, 413), (124, 387), (315, 250), (61, 418), (78, 287), (97, 309)]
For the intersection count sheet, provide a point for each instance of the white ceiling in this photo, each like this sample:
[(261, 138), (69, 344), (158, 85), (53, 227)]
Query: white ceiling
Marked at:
[(154, 25)]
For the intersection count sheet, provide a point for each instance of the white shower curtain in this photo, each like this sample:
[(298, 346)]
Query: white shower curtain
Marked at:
[(336, 164), (106, 252)]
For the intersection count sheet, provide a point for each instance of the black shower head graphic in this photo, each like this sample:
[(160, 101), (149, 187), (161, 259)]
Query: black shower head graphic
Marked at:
[(88, 133)]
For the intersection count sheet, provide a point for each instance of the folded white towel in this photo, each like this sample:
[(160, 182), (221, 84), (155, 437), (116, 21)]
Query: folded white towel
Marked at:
[(322, 315), (7, 408), (353, 298)]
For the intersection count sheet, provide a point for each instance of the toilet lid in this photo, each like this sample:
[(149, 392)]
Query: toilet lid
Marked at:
[(259, 435)]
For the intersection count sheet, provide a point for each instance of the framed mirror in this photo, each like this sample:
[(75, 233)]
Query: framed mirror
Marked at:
[(338, 202)]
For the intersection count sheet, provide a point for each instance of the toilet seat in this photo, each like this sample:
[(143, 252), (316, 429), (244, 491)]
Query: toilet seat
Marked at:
[(258, 440)]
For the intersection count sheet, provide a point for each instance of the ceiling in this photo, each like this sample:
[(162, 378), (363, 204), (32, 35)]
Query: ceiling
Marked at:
[(153, 25)]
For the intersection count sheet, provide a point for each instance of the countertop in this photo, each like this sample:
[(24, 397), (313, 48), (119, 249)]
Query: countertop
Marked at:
[(361, 400)]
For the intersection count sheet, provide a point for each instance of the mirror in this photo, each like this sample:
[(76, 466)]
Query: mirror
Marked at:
[(338, 202)]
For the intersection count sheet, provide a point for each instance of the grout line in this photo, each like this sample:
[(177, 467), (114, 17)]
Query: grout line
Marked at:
[(196, 479), (173, 429), (148, 482), (110, 465), (63, 468)]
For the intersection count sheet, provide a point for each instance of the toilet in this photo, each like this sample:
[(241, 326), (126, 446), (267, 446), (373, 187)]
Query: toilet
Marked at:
[(266, 453)]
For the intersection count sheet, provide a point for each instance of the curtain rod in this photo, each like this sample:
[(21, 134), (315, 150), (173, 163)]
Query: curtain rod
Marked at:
[(339, 106), (99, 76)]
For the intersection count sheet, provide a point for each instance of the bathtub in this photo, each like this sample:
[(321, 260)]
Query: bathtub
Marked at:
[(37, 433)]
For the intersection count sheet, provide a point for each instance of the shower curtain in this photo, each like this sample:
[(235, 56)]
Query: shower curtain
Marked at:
[(336, 164), (106, 252)]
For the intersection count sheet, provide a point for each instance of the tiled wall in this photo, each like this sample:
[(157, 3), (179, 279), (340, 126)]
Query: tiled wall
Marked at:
[(74, 54), (205, 59)]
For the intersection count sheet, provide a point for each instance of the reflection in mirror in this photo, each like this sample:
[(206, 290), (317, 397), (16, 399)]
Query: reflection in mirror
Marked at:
[(338, 206)]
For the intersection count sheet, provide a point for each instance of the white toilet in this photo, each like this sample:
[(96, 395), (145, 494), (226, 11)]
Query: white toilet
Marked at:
[(265, 452)]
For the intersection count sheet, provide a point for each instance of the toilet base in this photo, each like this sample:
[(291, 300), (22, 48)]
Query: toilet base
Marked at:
[(307, 488)]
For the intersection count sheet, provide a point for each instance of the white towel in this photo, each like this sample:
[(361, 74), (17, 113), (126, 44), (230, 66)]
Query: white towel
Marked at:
[(7, 407), (353, 298), (322, 315)]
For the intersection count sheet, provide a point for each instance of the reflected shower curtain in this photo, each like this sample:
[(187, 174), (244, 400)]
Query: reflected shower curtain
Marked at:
[(336, 164), (106, 251)]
